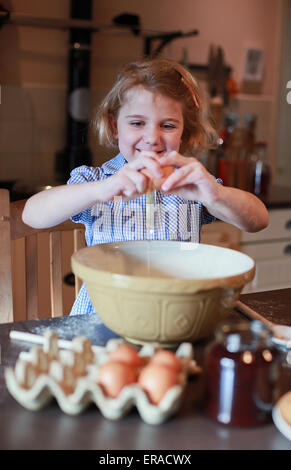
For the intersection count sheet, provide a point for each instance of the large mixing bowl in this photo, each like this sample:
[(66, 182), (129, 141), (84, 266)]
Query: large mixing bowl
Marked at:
[(162, 291)]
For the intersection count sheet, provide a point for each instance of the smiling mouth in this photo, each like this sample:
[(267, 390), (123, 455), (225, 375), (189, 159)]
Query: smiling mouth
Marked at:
[(159, 152)]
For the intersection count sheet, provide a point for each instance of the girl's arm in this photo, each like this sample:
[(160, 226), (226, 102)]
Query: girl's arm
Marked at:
[(192, 181), (53, 206), (240, 208)]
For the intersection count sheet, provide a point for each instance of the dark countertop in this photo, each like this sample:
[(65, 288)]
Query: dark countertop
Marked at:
[(189, 429), (273, 305)]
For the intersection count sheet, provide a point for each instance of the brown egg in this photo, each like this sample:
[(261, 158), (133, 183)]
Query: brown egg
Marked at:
[(126, 354), (156, 380), (156, 183), (167, 359), (113, 376)]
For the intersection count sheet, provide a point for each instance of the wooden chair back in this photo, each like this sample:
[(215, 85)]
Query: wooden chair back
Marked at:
[(12, 228)]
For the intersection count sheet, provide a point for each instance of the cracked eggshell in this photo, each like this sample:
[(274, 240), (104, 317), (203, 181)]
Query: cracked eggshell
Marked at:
[(156, 183)]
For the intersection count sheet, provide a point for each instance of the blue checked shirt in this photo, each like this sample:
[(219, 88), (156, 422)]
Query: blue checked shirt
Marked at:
[(175, 219)]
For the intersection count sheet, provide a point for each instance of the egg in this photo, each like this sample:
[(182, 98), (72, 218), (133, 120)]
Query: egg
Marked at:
[(167, 359), (156, 380), (113, 376), (125, 354), (156, 183)]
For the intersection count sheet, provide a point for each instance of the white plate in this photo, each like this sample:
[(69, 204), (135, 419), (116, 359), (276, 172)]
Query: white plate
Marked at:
[(280, 423)]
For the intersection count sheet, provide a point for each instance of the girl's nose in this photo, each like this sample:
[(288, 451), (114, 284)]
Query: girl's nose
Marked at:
[(151, 138)]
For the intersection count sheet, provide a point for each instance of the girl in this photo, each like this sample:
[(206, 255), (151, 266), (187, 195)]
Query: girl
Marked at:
[(154, 114)]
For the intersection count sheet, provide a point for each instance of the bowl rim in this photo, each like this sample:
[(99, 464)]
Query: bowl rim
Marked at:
[(158, 284)]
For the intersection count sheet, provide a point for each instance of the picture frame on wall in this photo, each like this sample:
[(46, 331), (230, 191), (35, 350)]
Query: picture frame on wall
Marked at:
[(253, 70)]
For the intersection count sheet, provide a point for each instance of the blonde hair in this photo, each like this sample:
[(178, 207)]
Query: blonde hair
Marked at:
[(170, 79)]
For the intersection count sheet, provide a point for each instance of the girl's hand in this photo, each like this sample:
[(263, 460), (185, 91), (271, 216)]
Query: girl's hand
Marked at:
[(156, 183), (235, 206), (191, 180), (130, 182)]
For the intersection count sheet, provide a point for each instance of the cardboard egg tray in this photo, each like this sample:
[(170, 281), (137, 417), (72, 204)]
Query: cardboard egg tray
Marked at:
[(70, 377)]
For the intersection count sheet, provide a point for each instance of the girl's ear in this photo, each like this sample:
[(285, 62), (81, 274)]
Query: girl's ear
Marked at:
[(113, 124)]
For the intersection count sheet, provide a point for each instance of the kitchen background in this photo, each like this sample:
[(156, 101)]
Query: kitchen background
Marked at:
[(34, 72), (34, 64)]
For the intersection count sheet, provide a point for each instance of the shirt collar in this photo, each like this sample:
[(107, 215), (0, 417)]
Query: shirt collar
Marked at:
[(113, 165)]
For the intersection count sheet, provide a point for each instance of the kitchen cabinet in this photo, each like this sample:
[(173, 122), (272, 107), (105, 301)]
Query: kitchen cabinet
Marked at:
[(221, 234), (270, 248)]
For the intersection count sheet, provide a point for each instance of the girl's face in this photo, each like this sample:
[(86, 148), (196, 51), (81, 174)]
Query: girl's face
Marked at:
[(148, 121)]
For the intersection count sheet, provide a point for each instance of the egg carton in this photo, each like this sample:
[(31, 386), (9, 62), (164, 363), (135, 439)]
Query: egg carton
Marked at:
[(70, 377)]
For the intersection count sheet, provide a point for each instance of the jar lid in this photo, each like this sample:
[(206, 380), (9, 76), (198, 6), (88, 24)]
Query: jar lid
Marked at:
[(242, 335)]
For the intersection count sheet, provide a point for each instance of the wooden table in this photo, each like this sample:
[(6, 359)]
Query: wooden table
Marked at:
[(188, 429)]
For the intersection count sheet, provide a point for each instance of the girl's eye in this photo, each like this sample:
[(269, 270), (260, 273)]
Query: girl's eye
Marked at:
[(136, 123), (169, 126)]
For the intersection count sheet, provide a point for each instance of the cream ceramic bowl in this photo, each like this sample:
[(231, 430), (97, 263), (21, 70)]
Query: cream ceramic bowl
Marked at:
[(162, 291)]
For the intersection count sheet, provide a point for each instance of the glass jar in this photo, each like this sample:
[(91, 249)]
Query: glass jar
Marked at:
[(241, 369), (260, 170)]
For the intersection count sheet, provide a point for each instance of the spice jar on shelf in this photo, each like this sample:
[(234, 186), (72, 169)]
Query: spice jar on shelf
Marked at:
[(241, 370), (237, 159), (260, 172)]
